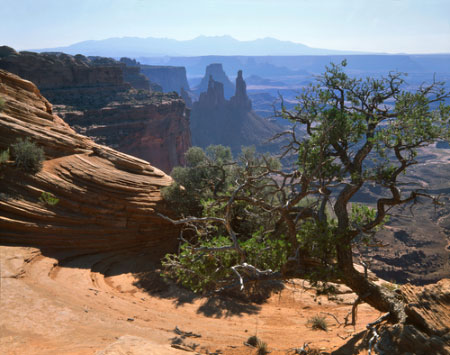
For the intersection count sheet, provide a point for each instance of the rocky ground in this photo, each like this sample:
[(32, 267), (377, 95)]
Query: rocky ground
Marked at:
[(81, 303)]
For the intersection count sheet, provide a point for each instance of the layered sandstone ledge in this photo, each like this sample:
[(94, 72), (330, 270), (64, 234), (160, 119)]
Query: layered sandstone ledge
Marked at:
[(107, 199)]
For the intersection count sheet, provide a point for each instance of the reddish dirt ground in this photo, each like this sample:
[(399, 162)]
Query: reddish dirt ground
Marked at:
[(74, 303)]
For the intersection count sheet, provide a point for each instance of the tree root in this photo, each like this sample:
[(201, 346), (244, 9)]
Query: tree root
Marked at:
[(371, 326)]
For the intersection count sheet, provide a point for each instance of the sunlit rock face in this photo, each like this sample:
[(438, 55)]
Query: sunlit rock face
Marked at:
[(107, 199)]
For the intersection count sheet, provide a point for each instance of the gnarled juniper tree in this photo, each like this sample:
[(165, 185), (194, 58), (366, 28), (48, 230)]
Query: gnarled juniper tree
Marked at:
[(268, 222)]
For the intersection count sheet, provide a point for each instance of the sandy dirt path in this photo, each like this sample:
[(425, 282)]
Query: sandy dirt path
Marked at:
[(75, 303)]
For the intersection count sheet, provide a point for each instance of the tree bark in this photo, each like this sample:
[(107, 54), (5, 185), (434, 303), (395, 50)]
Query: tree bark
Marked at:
[(376, 296)]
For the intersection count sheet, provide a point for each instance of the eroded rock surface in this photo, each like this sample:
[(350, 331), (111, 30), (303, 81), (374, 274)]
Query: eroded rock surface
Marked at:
[(107, 199), (95, 97), (427, 327)]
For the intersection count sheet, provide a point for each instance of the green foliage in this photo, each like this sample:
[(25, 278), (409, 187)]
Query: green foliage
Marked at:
[(318, 237), (363, 214), (206, 270), (28, 156), (4, 156), (200, 271), (357, 132), (206, 175), (318, 323), (391, 286), (203, 188), (343, 114), (47, 198)]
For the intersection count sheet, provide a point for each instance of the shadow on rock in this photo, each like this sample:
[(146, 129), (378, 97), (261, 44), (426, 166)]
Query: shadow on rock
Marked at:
[(216, 305), (146, 269)]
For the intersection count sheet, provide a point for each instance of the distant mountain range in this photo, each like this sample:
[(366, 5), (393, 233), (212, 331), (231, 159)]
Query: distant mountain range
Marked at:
[(200, 46)]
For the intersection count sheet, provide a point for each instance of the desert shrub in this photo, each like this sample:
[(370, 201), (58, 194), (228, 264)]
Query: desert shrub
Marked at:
[(206, 174), (261, 348), (253, 340), (206, 271), (4, 156), (47, 198), (318, 323), (203, 187), (27, 155), (391, 286)]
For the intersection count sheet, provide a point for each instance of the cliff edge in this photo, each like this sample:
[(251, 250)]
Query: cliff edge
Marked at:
[(109, 102), (107, 199)]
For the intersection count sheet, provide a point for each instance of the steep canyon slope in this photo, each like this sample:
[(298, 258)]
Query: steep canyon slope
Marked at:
[(91, 94)]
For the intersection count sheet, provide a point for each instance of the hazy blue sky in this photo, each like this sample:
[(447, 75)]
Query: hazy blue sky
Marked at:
[(394, 26)]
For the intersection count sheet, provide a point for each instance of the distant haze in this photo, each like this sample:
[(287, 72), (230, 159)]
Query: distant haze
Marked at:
[(200, 46), (386, 26)]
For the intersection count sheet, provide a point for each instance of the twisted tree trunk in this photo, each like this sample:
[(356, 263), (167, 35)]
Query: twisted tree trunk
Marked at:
[(377, 296)]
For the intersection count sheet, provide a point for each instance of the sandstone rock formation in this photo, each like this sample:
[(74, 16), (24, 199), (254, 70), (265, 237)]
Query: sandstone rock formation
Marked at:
[(132, 74), (137, 80), (216, 71), (55, 74), (161, 140), (215, 120), (427, 328), (94, 98), (168, 77), (240, 99), (107, 199)]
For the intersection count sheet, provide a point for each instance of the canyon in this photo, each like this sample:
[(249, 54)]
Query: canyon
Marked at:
[(91, 94), (93, 258), (81, 276), (216, 120)]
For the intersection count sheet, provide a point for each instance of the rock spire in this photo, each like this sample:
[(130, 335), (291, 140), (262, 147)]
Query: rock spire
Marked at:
[(240, 99)]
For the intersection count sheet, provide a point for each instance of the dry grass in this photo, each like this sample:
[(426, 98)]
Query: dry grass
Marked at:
[(318, 323)]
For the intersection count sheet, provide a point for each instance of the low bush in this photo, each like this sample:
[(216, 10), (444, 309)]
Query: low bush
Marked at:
[(262, 348), (318, 323), (4, 156), (27, 155), (47, 198), (253, 340), (391, 286)]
